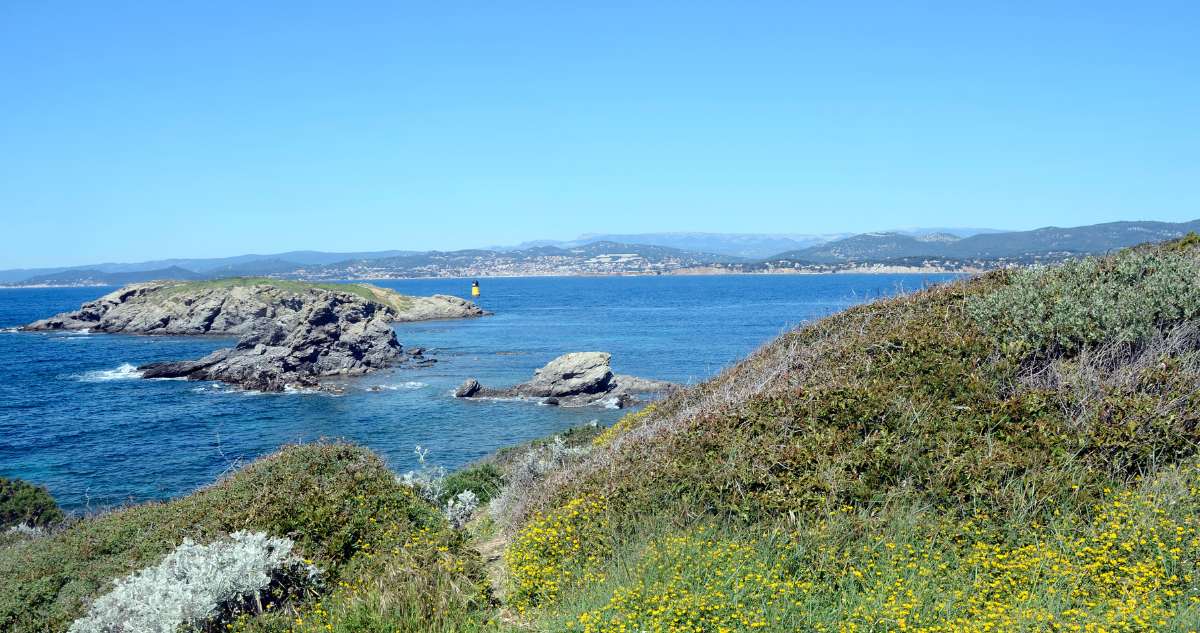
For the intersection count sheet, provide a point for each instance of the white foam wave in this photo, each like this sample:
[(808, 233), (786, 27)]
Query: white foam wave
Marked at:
[(124, 372), (404, 386), (9, 330)]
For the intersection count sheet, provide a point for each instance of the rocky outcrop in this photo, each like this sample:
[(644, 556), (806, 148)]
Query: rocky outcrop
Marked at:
[(292, 334), (573, 380), (234, 306), (331, 338), (437, 307)]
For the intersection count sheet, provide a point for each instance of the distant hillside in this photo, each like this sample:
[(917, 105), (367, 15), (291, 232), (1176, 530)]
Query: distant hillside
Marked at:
[(254, 268), (745, 245), (240, 264), (1096, 238), (1049, 243), (87, 277), (865, 247)]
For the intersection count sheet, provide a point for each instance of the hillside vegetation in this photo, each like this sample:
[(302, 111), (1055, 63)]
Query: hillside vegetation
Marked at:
[(381, 557), (1015, 452)]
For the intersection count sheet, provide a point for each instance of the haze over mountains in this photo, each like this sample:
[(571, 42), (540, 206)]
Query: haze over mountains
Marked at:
[(931, 248)]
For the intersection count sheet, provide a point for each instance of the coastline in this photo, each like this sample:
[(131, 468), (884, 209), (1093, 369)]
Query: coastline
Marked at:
[(682, 272)]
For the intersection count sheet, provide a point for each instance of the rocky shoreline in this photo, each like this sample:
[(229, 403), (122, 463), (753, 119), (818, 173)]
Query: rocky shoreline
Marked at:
[(291, 334)]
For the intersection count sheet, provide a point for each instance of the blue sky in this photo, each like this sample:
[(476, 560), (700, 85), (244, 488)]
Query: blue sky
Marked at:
[(143, 130)]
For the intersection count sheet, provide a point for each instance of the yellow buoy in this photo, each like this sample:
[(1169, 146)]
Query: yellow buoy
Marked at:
[(475, 289)]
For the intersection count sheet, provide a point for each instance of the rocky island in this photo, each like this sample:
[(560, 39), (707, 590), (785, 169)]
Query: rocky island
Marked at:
[(292, 334), (573, 380)]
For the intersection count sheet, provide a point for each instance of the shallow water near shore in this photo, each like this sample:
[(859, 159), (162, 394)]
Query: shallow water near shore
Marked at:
[(75, 416)]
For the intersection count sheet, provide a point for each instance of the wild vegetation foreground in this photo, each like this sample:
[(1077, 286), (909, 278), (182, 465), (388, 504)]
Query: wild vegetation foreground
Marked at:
[(1014, 452)]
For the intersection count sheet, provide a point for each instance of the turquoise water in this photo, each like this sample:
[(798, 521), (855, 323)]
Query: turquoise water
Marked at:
[(75, 418)]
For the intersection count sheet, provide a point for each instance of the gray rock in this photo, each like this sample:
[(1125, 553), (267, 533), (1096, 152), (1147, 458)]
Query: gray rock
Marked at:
[(324, 339), (572, 374), (573, 380), (469, 388), (437, 307)]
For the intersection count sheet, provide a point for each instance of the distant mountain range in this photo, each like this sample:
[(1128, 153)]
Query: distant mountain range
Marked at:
[(1022, 247), (238, 265), (645, 253), (745, 245)]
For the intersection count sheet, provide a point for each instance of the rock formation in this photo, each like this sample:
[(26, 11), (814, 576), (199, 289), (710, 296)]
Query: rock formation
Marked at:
[(323, 339), (233, 306), (572, 380), (292, 334)]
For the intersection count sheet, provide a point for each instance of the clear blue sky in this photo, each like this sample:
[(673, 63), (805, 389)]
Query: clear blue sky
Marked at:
[(142, 130)]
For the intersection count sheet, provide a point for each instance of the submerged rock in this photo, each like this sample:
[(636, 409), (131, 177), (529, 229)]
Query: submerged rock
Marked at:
[(573, 380)]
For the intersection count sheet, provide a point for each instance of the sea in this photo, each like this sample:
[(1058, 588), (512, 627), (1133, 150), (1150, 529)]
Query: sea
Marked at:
[(76, 417)]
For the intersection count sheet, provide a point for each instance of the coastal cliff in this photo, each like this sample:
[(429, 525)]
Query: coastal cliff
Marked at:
[(292, 334)]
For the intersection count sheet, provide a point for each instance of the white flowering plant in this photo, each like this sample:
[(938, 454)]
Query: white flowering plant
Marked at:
[(200, 586)]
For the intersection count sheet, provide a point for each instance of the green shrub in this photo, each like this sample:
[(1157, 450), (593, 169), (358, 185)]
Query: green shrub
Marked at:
[(338, 503), (1123, 299), (25, 503), (485, 480)]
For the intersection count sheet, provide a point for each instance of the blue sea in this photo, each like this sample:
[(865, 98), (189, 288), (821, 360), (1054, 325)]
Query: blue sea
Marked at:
[(75, 417)]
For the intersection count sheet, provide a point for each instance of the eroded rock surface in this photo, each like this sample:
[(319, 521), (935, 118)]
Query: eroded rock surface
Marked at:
[(572, 380), (324, 339)]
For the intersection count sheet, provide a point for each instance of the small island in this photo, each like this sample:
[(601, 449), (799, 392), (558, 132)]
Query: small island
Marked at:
[(292, 334)]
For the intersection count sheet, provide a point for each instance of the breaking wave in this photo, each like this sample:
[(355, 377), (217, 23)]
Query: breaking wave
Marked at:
[(124, 372)]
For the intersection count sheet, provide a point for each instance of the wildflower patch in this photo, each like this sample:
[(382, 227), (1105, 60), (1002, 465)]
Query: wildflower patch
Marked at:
[(1131, 567), (700, 581), (558, 551)]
